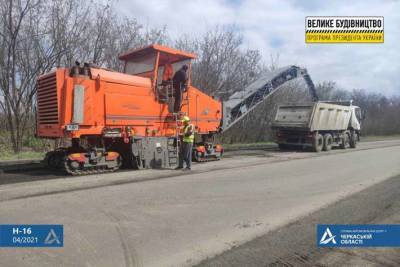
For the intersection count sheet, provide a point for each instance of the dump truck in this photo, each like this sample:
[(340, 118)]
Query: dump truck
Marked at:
[(318, 125), (112, 118)]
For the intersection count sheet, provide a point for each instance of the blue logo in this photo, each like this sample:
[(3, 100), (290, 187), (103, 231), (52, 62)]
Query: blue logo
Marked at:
[(372, 235), (35, 235)]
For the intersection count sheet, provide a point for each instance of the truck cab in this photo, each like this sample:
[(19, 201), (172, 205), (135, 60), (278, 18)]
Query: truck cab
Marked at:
[(356, 117)]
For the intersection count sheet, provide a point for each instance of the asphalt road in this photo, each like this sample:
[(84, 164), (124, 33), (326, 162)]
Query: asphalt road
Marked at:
[(164, 218), (294, 244), (32, 170)]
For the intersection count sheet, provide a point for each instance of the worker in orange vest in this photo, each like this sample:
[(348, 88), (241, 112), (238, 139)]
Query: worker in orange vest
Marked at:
[(168, 73), (167, 89)]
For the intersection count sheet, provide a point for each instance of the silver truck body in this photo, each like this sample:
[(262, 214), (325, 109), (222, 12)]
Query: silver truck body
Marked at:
[(303, 124), (317, 116)]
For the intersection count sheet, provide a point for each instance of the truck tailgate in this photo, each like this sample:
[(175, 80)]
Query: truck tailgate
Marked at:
[(293, 116)]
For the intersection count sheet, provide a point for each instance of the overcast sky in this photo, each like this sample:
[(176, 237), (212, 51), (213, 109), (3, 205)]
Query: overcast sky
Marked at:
[(277, 26)]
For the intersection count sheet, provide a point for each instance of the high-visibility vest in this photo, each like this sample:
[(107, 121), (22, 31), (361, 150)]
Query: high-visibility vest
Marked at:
[(190, 138)]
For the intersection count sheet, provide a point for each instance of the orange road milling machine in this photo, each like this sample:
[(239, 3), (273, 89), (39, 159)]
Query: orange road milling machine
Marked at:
[(114, 119)]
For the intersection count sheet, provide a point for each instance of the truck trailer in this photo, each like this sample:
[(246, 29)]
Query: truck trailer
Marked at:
[(319, 125)]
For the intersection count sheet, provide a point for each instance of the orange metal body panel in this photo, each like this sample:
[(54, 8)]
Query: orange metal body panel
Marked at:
[(116, 100)]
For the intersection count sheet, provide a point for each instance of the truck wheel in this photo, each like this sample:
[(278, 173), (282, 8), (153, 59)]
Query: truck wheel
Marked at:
[(318, 143), (353, 140), (327, 142), (345, 141)]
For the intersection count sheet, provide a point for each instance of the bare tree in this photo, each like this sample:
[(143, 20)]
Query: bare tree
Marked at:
[(274, 61), (68, 27), (223, 66), (328, 90), (24, 55), (38, 35)]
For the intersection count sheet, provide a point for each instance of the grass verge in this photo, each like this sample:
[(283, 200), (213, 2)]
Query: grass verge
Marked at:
[(379, 137), (4, 156), (247, 145)]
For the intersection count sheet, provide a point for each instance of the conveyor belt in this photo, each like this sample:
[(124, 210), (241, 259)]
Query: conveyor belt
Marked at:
[(241, 103)]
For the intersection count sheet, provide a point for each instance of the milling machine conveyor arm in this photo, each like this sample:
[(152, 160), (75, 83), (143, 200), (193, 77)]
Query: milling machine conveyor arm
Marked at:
[(241, 103)]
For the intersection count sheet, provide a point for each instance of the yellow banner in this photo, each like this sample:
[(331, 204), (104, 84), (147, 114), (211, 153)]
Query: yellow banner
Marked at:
[(344, 29), (344, 37)]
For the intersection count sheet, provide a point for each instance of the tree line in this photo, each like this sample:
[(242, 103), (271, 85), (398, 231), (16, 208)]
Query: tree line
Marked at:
[(37, 36)]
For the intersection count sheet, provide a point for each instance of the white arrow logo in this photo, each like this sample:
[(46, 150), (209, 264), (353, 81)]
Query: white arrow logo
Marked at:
[(327, 237), (51, 238)]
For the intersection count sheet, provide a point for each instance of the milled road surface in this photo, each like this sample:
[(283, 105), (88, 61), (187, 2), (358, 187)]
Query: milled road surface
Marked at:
[(34, 172), (295, 244), (184, 219)]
